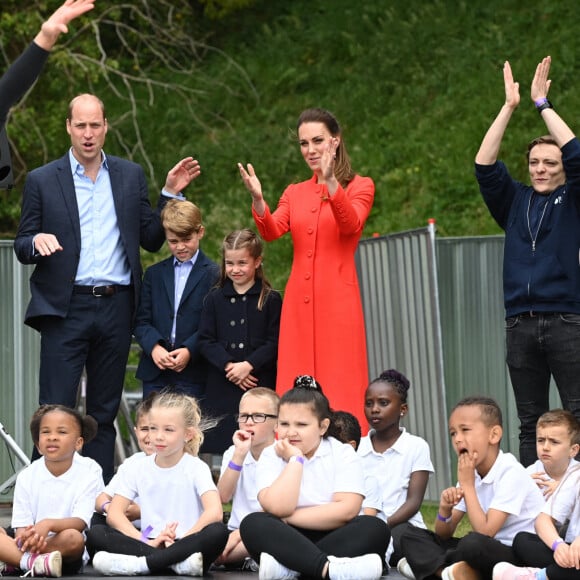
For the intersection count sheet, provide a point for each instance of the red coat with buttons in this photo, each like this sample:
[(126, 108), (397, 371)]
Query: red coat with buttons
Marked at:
[(322, 329)]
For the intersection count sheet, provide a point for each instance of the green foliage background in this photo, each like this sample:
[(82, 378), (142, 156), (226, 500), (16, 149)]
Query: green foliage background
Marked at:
[(415, 85)]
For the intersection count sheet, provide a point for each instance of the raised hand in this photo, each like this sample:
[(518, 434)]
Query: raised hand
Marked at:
[(181, 175), (512, 88), (541, 83), (254, 186), (57, 22)]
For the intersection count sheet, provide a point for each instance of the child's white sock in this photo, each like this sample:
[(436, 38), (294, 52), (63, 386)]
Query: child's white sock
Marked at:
[(25, 561)]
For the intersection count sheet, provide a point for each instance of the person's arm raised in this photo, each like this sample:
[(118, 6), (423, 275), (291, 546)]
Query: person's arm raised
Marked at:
[(57, 22), (489, 148), (556, 126)]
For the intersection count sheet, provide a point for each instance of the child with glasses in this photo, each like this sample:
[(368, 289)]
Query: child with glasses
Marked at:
[(257, 421)]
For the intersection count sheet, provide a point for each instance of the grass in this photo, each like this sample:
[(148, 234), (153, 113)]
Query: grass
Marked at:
[(429, 512)]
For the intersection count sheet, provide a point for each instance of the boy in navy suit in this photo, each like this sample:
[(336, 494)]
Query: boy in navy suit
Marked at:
[(172, 297)]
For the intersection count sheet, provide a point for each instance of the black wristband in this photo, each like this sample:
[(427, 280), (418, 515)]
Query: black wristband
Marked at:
[(545, 105)]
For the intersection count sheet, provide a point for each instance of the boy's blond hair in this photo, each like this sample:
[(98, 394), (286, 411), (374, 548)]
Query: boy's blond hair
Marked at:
[(561, 417), (181, 217), (264, 393)]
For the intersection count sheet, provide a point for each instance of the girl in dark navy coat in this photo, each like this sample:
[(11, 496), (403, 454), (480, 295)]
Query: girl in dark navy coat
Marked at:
[(238, 334)]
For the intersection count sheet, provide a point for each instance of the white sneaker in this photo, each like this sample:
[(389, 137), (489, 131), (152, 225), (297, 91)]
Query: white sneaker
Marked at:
[(460, 571), (404, 569), (191, 566), (49, 564), (111, 564), (367, 567), (271, 569), (506, 571)]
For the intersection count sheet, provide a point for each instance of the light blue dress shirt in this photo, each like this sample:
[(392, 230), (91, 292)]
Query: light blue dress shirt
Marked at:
[(103, 259), (181, 272)]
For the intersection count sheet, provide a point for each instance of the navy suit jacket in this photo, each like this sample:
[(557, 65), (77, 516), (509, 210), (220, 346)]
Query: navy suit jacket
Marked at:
[(49, 205), (156, 311)]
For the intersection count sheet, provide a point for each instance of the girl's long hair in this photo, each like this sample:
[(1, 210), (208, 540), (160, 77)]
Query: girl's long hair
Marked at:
[(246, 239), (172, 399)]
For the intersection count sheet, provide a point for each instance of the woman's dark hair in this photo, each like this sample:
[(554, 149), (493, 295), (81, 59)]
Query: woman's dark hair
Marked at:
[(342, 167), (307, 390), (397, 380), (88, 426)]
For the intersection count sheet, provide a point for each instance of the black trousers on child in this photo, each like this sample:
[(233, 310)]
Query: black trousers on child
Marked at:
[(426, 552), (306, 551), (533, 552), (210, 541)]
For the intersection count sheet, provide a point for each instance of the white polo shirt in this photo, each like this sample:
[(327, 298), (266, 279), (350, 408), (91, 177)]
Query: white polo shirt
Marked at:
[(112, 485), (245, 499), (508, 488), (538, 467), (39, 495), (334, 467), (167, 494), (393, 469), (564, 504)]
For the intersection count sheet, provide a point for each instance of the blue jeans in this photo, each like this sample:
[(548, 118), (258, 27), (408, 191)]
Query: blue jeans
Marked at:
[(540, 346)]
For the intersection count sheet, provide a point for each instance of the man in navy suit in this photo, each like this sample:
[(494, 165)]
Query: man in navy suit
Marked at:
[(83, 219), (170, 308)]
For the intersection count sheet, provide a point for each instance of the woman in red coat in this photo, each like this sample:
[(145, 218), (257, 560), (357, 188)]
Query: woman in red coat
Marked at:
[(322, 329)]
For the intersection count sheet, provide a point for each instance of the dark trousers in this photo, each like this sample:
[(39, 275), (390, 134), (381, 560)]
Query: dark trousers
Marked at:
[(538, 347), (427, 553), (210, 541), (533, 552), (96, 334), (171, 379), (307, 551)]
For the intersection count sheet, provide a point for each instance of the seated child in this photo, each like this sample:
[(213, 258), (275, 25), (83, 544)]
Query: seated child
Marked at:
[(400, 462), (557, 438), (345, 427), (53, 497), (311, 488), (141, 428), (494, 490), (257, 420), (547, 553), (181, 512)]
